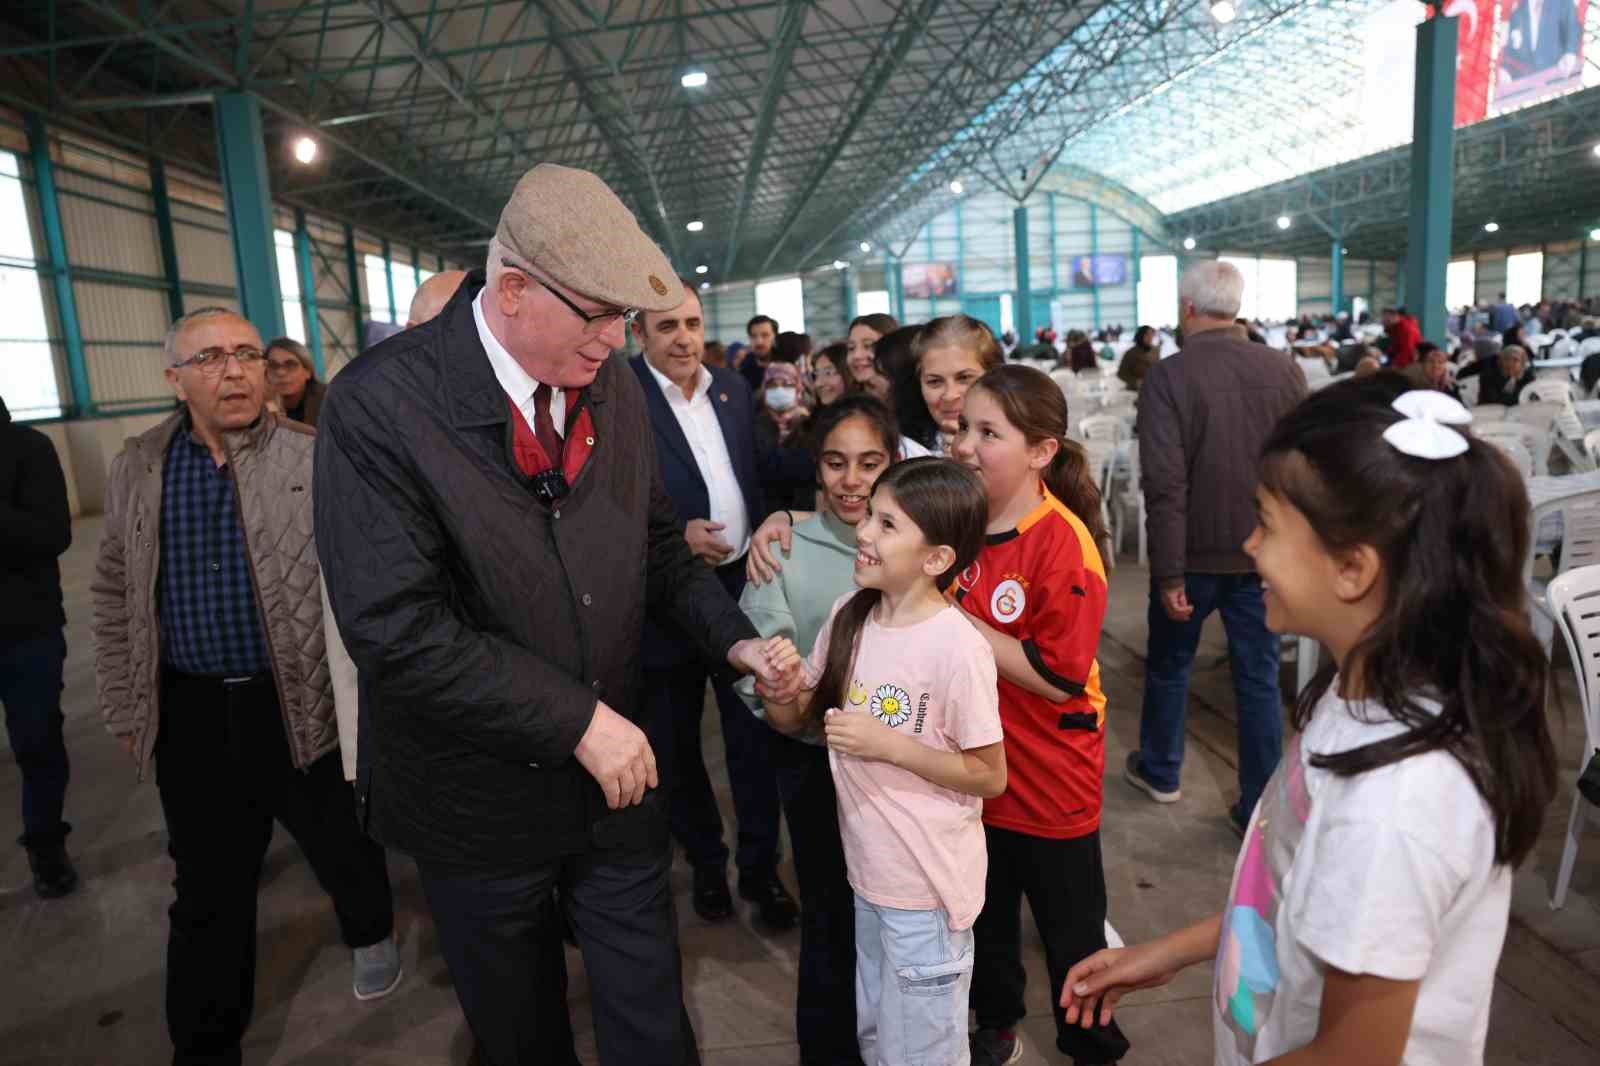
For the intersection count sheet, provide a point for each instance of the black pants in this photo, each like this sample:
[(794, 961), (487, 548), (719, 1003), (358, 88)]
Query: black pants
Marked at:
[(30, 688), (1066, 888), (825, 1000), (499, 937), (675, 699), (224, 773)]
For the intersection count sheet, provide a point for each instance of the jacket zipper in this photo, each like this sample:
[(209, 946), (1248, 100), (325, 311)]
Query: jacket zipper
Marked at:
[(255, 585)]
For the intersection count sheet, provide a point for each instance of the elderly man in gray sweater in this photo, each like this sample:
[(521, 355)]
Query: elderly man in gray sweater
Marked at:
[(1203, 417)]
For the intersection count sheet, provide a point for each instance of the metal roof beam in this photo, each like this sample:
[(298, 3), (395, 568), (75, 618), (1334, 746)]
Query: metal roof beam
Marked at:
[(790, 24)]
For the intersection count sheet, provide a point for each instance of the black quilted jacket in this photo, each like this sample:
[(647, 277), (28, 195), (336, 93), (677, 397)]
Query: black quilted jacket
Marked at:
[(484, 622)]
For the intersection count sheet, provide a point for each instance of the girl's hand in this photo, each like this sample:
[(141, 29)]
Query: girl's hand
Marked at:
[(1101, 980), (761, 563), (782, 654), (860, 735)]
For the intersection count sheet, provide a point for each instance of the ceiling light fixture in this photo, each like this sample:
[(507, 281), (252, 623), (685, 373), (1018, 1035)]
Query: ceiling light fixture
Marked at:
[(305, 149), (695, 79), (702, 269), (840, 264), (1224, 11), (695, 226), (957, 188), (704, 285), (1491, 227), (1188, 244), (1597, 149), (866, 246), (1284, 221)]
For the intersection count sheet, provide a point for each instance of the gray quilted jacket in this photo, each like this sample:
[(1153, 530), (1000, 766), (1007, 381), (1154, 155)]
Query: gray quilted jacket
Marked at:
[(271, 463)]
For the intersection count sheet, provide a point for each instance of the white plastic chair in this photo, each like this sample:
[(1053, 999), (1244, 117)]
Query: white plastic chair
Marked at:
[(1065, 380), (1123, 493), (1514, 450), (1518, 440), (1591, 445), (1557, 392), (1580, 546), (1486, 412), (1588, 348), (1103, 427), (1574, 600)]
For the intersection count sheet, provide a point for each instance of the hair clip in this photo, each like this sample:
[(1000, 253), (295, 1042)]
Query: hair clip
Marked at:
[(1425, 432)]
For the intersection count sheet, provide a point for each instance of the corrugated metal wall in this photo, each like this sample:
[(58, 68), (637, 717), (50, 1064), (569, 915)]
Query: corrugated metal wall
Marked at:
[(1561, 270), (727, 309), (822, 296), (1491, 276)]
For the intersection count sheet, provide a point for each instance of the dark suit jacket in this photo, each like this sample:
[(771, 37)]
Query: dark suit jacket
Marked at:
[(1558, 36), (681, 476)]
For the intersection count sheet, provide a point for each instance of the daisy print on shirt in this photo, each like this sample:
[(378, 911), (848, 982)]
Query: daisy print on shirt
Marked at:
[(890, 704)]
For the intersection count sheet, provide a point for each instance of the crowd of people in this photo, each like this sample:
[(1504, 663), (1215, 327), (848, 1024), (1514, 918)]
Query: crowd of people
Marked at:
[(465, 601)]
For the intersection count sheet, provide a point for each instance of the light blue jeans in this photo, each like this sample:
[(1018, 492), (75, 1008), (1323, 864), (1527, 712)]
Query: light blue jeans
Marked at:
[(913, 976)]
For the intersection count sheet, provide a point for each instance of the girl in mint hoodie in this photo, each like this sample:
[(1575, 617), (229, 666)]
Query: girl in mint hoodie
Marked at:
[(855, 440)]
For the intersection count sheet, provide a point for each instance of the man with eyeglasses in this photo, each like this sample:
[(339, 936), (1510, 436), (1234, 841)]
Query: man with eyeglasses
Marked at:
[(493, 526), (211, 664)]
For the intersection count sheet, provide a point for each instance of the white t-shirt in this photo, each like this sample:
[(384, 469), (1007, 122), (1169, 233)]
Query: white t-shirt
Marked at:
[(1390, 872)]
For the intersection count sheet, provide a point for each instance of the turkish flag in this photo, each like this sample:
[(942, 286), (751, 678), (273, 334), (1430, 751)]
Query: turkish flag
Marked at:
[(1474, 55)]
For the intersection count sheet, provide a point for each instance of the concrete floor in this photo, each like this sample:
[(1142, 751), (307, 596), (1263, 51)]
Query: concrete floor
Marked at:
[(81, 980)]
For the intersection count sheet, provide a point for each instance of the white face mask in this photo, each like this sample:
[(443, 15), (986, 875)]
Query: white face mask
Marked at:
[(780, 397)]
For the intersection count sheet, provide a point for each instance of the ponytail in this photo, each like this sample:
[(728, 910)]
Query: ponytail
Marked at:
[(1070, 480)]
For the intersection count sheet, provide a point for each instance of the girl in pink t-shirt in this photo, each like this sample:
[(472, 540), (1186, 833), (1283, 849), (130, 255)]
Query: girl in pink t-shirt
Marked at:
[(912, 723)]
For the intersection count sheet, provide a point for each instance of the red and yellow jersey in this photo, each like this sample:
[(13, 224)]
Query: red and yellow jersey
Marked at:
[(1044, 584)]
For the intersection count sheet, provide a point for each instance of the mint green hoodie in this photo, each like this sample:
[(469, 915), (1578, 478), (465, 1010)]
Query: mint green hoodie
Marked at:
[(819, 569)]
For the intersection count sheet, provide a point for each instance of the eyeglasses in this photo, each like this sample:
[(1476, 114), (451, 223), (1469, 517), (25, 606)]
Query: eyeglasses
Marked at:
[(211, 361), (598, 322)]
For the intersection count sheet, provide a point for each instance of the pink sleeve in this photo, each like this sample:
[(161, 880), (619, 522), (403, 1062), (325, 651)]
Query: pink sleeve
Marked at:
[(811, 669), (975, 697)]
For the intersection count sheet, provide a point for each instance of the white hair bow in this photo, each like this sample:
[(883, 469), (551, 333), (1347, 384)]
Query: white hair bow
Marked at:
[(1425, 433)]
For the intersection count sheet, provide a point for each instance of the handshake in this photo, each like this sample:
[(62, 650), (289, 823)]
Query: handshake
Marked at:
[(775, 663)]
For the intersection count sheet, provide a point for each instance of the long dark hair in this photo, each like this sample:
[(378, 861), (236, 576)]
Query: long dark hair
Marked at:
[(1036, 406), (947, 503), (1452, 536), (879, 323), (834, 355), (895, 355)]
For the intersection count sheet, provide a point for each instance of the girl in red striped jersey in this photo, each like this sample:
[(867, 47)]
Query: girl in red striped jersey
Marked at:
[(1038, 594)]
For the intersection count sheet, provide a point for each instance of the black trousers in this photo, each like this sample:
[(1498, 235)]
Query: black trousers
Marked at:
[(30, 689), (1065, 883), (825, 1000), (675, 699), (224, 773), (499, 936)]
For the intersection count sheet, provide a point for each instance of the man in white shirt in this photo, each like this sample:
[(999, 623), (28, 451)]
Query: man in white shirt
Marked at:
[(704, 422)]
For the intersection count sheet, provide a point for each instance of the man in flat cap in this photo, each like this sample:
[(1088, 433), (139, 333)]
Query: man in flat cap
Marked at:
[(492, 528)]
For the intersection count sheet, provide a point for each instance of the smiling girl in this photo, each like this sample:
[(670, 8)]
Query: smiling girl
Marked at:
[(948, 355), (913, 731), (1037, 593), (1372, 891)]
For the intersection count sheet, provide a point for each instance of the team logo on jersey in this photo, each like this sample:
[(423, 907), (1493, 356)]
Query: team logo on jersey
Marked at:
[(1008, 600), (890, 704), (969, 577)]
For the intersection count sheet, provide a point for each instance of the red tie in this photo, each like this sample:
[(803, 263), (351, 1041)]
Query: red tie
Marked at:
[(544, 428)]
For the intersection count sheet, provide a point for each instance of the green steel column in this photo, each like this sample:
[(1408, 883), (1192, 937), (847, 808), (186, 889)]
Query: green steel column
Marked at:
[(1400, 280), (1583, 263), (353, 266), (438, 264), (847, 293), (1055, 272), (167, 236), (1023, 309), (1138, 276), (44, 180), (1432, 173), (308, 289), (897, 289), (1372, 284), (416, 272), (1336, 294), (1094, 252), (388, 280), (241, 150)]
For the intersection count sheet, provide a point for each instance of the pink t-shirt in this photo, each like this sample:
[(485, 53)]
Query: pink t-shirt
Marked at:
[(908, 843)]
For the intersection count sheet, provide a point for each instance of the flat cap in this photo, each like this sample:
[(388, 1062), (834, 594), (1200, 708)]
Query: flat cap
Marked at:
[(570, 225)]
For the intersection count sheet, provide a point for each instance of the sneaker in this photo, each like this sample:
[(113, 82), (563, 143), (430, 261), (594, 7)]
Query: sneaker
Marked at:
[(1135, 777), (996, 1047), (377, 969), (53, 873)]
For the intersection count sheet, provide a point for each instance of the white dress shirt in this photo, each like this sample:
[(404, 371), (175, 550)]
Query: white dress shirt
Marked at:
[(517, 382), (698, 419)]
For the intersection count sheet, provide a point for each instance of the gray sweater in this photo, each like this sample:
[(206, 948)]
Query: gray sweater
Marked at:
[(1204, 415)]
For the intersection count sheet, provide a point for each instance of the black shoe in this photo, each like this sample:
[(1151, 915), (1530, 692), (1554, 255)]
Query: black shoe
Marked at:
[(53, 875), (995, 1047), (762, 887), (712, 900)]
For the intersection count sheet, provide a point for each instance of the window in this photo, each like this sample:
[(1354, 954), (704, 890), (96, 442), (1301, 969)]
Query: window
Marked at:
[(783, 300), (1157, 294), (294, 318), (27, 363), (1460, 284), (871, 302), (1524, 278), (378, 289), (1269, 288), (405, 287)]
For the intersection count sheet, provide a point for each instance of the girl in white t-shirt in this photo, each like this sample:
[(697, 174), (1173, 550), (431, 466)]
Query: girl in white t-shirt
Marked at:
[(1370, 898), (904, 691)]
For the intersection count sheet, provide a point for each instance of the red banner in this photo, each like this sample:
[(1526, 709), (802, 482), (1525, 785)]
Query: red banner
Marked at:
[(1474, 57)]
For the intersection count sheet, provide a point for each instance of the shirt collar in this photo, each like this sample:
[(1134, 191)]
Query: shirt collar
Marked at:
[(517, 382), (702, 382)]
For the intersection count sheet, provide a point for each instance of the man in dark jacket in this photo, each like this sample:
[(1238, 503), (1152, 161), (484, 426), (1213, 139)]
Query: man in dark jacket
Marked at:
[(1203, 416), (35, 528), (493, 527), (704, 424)]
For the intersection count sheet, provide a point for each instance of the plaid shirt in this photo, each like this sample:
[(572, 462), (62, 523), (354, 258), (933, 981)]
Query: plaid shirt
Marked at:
[(210, 624)]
